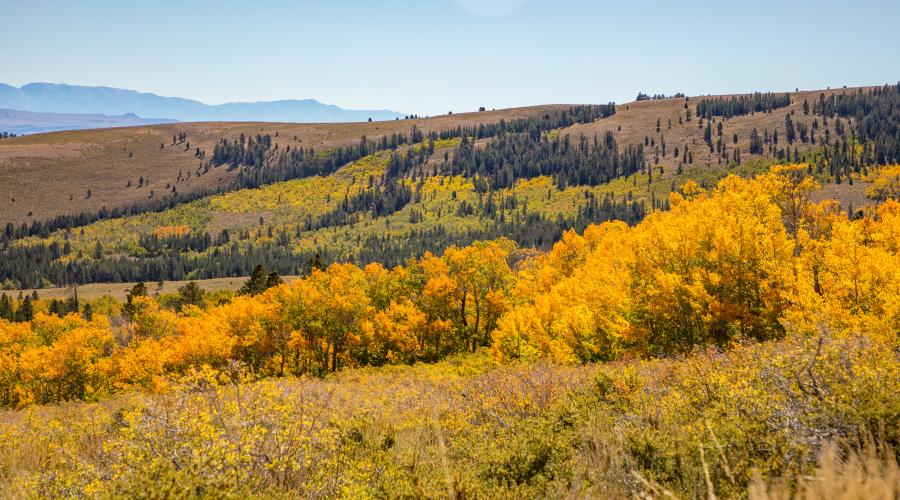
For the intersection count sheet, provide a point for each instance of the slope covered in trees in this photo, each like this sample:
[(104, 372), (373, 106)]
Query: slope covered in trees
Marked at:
[(503, 161), (753, 260), (748, 336), (381, 208), (872, 135), (111, 162), (494, 170)]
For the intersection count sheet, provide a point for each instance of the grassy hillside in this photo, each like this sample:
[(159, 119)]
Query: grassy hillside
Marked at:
[(46, 175), (446, 209), (402, 201), (529, 180)]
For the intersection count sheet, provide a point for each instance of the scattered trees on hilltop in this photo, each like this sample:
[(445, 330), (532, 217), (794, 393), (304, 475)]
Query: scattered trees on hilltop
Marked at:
[(728, 107), (265, 163), (511, 157), (645, 97)]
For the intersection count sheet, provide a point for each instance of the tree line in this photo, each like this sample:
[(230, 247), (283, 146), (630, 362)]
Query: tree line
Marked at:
[(510, 157), (261, 162), (728, 107), (202, 256)]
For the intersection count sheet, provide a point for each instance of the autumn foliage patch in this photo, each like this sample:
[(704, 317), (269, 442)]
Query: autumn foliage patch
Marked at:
[(753, 260)]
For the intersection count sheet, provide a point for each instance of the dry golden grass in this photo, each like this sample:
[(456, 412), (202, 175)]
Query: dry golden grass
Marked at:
[(636, 120), (118, 291), (869, 474), (849, 195)]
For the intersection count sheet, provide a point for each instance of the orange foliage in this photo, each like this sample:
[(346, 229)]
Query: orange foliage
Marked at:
[(751, 260), (339, 317), (170, 231)]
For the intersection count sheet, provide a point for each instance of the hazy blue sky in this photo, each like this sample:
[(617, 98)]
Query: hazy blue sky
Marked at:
[(431, 56)]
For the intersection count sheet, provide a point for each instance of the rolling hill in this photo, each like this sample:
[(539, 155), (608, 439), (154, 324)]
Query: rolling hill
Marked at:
[(69, 164), (47, 175), (211, 200)]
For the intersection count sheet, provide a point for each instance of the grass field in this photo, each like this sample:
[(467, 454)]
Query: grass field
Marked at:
[(118, 291)]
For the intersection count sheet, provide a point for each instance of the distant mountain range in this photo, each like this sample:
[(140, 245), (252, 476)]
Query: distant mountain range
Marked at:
[(27, 122), (62, 98)]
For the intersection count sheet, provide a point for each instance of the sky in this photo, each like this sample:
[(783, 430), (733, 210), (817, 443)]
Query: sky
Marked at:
[(434, 56)]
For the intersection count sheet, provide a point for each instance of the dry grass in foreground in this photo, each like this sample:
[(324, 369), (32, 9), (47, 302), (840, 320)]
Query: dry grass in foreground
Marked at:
[(783, 419), (869, 473)]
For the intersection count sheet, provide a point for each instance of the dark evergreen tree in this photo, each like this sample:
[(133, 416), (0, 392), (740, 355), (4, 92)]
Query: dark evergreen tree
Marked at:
[(256, 284), (756, 145), (273, 280), (88, 312), (789, 133), (190, 294), (25, 312), (6, 308)]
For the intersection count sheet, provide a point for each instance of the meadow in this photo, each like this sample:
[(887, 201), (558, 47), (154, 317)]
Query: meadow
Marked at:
[(728, 424)]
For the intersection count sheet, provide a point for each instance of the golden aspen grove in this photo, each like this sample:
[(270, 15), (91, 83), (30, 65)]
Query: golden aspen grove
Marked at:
[(453, 249), (744, 342)]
